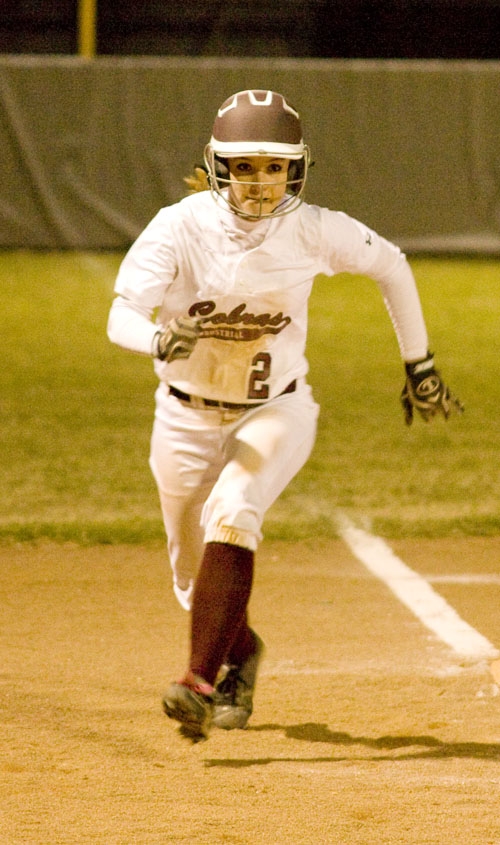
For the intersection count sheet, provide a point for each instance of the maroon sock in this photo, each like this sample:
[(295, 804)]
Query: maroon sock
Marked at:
[(220, 599), (243, 645)]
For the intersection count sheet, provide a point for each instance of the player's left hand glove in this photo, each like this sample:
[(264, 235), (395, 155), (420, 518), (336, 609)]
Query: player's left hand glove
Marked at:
[(177, 340), (425, 392)]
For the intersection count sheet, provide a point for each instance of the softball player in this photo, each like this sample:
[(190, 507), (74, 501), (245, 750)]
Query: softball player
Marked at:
[(216, 290)]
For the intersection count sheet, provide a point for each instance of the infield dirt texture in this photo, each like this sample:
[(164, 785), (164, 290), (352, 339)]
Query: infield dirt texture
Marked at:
[(366, 730)]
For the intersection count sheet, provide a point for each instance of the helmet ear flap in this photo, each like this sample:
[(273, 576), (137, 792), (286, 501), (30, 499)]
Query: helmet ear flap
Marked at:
[(296, 175), (221, 168)]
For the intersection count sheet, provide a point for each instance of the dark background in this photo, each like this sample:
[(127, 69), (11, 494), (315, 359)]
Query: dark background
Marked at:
[(454, 29)]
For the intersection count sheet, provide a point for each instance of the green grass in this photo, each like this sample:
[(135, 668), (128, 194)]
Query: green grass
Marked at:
[(77, 412)]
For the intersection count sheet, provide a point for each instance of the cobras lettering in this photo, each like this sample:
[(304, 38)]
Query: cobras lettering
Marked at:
[(239, 324)]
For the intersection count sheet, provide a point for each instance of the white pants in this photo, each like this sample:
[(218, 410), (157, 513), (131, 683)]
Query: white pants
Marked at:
[(219, 471)]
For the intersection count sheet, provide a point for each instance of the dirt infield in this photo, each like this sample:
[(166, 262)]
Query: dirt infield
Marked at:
[(366, 731)]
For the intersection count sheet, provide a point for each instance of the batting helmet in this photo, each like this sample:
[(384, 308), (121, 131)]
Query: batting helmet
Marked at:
[(258, 123)]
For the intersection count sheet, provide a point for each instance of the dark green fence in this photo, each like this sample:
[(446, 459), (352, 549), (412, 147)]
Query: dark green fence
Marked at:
[(90, 149)]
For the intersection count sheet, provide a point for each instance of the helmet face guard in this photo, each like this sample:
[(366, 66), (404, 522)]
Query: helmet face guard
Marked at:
[(257, 123), (220, 184)]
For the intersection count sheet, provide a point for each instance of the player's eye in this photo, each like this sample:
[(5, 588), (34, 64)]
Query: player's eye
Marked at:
[(276, 167), (243, 167)]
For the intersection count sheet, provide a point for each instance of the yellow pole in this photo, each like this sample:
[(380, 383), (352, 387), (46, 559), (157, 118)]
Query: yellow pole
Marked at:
[(87, 28)]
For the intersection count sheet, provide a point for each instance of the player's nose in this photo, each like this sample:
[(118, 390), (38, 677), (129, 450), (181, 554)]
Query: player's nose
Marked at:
[(255, 188)]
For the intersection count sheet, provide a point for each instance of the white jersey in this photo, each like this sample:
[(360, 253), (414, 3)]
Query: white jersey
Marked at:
[(249, 283)]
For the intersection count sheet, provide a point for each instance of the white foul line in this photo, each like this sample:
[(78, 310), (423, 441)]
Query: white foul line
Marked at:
[(416, 593)]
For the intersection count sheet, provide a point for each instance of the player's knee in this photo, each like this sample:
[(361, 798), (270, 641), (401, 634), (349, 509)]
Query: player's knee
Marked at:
[(231, 519)]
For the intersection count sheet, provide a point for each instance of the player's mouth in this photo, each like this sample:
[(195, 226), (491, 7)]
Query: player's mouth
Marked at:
[(259, 200)]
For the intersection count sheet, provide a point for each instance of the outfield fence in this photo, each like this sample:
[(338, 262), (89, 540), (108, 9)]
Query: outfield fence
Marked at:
[(91, 148)]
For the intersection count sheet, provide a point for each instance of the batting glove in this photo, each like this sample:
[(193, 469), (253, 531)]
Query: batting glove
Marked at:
[(177, 340), (425, 392)]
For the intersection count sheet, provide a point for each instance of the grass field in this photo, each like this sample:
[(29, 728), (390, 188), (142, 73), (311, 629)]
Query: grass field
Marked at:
[(77, 412)]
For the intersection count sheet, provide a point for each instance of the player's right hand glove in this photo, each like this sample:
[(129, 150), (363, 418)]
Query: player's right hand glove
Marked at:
[(425, 392), (177, 340)]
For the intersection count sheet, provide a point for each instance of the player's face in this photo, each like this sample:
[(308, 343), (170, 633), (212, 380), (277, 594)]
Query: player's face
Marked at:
[(258, 183)]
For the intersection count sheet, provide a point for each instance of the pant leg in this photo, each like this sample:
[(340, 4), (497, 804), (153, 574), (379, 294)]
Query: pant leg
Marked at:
[(185, 460), (264, 451), (218, 473)]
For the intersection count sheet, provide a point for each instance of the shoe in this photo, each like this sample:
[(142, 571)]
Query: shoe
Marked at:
[(233, 697), (184, 595), (190, 702)]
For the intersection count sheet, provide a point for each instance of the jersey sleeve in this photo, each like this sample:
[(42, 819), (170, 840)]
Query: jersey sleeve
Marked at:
[(350, 246), (145, 274)]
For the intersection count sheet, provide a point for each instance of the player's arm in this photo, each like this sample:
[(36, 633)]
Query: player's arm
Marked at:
[(130, 326), (350, 246), (364, 251), (145, 274), (424, 391)]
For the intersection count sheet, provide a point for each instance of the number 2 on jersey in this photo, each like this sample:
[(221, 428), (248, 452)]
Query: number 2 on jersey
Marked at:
[(261, 364)]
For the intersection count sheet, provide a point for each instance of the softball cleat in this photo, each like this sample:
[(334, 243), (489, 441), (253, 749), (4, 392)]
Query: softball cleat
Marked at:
[(233, 697), (190, 702)]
